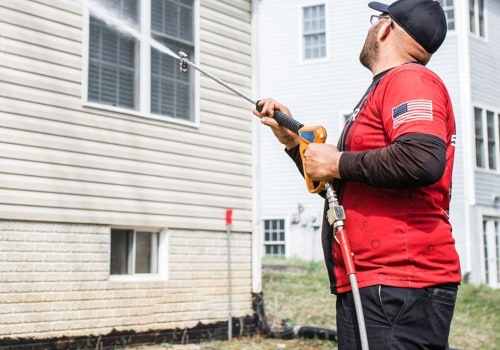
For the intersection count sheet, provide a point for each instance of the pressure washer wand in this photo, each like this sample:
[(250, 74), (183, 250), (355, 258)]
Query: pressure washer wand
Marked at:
[(280, 117)]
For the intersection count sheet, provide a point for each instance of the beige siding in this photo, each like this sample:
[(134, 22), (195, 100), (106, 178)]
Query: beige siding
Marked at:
[(64, 161), (69, 172), (55, 282)]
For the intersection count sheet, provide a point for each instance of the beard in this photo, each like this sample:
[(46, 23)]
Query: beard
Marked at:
[(370, 49)]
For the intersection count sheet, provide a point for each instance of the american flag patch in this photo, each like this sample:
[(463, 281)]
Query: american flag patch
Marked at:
[(412, 111)]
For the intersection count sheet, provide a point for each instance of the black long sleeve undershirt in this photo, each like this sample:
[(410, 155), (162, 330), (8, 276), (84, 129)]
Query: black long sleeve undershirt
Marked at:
[(413, 160)]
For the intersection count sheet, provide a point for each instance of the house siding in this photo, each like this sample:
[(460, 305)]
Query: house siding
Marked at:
[(65, 156), (71, 171)]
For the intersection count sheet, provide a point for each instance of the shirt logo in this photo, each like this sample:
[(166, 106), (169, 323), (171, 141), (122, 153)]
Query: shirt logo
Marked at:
[(453, 140), (412, 111)]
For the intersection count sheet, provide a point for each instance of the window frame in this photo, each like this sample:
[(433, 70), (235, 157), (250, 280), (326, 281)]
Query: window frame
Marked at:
[(283, 243), (160, 257), (144, 74), (486, 137), (302, 34), (477, 18), (490, 249), (449, 8)]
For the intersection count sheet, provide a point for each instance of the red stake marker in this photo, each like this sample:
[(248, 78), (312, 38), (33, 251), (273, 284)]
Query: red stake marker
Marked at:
[(229, 221), (229, 216)]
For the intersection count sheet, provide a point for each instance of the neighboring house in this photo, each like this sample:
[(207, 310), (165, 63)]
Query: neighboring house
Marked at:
[(308, 59), (116, 169)]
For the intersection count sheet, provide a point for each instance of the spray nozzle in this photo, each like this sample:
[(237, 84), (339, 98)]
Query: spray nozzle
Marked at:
[(183, 64)]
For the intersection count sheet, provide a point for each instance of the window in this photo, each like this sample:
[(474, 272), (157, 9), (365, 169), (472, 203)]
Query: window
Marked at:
[(134, 252), (113, 67), (478, 121), (476, 17), (449, 11), (491, 250), (171, 25), (487, 135), (274, 237), (486, 263), (129, 71), (490, 132), (314, 32)]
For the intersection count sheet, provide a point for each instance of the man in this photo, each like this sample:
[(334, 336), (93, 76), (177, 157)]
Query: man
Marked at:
[(392, 171)]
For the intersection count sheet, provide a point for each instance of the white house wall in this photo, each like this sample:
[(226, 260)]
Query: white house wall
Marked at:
[(70, 172)]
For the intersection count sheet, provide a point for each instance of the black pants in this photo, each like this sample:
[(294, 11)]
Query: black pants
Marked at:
[(398, 318)]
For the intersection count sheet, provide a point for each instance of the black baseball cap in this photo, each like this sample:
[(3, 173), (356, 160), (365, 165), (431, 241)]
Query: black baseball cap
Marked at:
[(424, 20)]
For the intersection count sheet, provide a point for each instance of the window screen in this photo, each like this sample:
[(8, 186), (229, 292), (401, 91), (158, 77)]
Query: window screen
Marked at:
[(112, 73), (171, 90)]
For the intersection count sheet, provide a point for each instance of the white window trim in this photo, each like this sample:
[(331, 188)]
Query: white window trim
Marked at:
[(144, 110), (496, 113), (453, 8), (163, 261), (475, 34), (307, 3), (492, 214)]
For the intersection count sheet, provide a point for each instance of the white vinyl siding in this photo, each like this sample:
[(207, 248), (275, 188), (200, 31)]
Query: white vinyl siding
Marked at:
[(62, 161)]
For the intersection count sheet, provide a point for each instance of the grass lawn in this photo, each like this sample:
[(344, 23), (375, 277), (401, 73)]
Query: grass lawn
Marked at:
[(298, 291)]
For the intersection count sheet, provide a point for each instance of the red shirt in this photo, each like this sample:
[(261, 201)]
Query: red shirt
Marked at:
[(399, 237)]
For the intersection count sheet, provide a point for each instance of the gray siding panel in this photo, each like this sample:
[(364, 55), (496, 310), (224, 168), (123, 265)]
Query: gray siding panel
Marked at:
[(487, 186)]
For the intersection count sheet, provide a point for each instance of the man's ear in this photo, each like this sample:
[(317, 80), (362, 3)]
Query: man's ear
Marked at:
[(384, 30)]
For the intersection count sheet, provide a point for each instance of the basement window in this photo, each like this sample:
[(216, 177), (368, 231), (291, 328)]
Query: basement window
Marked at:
[(136, 252)]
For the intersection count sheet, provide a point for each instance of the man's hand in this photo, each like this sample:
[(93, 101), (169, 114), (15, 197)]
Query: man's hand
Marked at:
[(284, 136), (321, 162)]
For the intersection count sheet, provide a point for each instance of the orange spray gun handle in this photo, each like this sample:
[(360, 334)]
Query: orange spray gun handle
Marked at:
[(308, 134), (311, 134)]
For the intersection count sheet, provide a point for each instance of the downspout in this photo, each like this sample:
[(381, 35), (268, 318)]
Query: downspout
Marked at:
[(256, 127), (465, 98)]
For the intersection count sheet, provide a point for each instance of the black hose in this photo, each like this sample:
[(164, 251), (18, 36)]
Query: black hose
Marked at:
[(285, 331)]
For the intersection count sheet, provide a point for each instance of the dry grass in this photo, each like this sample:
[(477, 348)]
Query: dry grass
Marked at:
[(298, 292)]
